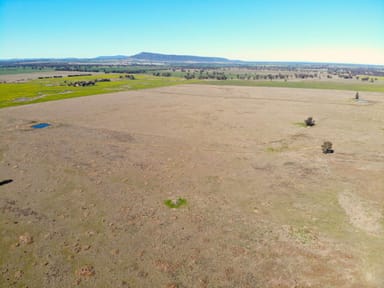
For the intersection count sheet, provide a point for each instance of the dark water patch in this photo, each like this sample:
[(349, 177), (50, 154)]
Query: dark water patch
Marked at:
[(40, 125)]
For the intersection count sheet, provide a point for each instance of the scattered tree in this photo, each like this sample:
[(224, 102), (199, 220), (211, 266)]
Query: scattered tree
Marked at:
[(166, 74), (81, 83), (309, 121), (327, 147)]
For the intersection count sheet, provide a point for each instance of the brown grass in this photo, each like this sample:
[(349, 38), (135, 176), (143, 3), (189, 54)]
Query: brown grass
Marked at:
[(90, 190)]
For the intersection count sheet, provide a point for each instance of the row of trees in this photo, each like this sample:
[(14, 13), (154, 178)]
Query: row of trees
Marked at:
[(216, 76), (128, 76), (81, 83), (87, 83), (223, 76), (162, 74), (48, 77)]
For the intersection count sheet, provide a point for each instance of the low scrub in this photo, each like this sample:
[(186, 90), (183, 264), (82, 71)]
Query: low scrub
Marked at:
[(175, 203)]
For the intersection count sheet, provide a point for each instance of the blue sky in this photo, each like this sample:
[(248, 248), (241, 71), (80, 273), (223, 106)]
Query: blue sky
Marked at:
[(280, 30)]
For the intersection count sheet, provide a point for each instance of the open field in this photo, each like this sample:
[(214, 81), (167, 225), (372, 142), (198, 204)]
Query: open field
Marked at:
[(42, 90), (262, 206), (21, 89), (25, 77), (22, 70), (351, 85), (374, 77)]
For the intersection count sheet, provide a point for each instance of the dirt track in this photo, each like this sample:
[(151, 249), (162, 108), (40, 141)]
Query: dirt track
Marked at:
[(265, 207)]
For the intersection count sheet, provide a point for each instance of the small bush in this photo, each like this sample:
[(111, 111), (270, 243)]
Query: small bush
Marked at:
[(309, 122), (327, 147), (175, 203)]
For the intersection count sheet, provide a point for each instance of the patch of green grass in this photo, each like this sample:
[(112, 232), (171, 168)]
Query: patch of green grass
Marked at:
[(21, 70), (277, 149), (326, 214), (302, 234), (42, 90), (370, 87), (371, 76), (300, 124), (270, 149), (175, 204)]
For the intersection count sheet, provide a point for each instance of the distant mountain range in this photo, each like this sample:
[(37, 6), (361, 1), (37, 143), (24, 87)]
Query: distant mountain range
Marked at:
[(143, 57), (165, 58), (116, 57), (158, 59)]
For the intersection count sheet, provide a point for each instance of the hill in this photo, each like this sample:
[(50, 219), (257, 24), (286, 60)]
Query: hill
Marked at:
[(146, 56)]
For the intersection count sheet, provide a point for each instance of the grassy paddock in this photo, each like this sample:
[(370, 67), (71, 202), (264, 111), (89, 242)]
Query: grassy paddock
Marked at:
[(370, 87), (42, 90), (372, 77), (21, 70)]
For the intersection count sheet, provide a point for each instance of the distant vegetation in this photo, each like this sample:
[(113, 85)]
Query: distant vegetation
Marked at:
[(104, 78), (220, 71), (41, 90), (353, 86), (7, 70)]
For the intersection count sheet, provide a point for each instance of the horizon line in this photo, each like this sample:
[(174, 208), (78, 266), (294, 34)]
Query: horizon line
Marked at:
[(190, 55)]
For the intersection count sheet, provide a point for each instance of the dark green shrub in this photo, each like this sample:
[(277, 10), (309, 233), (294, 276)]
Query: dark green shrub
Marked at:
[(327, 147), (175, 203), (309, 122)]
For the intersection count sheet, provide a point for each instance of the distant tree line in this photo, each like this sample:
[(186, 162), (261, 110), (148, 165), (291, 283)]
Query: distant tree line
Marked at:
[(81, 83), (162, 74), (48, 77), (79, 75), (128, 76), (86, 83)]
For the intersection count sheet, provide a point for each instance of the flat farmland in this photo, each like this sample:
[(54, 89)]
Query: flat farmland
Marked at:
[(16, 90), (264, 206)]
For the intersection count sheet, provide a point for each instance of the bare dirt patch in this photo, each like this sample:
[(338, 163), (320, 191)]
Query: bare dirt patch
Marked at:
[(361, 213)]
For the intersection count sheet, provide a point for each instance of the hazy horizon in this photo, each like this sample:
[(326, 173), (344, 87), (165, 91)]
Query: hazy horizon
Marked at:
[(245, 61), (282, 31)]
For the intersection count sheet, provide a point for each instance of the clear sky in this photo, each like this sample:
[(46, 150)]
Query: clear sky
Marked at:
[(348, 31)]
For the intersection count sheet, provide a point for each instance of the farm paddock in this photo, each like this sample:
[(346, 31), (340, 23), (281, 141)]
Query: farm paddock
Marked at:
[(264, 206)]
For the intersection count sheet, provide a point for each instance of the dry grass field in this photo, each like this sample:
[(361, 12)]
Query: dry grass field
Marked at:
[(24, 77), (265, 207)]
